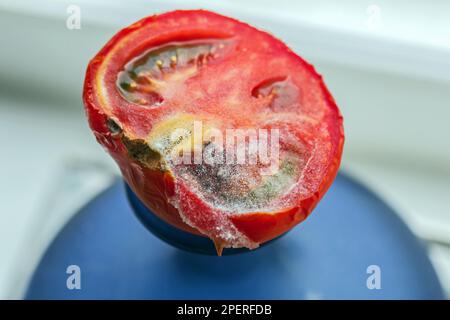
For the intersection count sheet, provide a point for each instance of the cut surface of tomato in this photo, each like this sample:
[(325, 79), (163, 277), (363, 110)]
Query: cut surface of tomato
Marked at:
[(198, 81)]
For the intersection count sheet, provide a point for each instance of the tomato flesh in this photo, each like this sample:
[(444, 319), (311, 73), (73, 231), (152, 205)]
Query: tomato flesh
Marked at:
[(169, 72)]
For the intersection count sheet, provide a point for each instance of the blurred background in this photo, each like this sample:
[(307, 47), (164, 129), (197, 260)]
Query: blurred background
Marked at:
[(386, 62)]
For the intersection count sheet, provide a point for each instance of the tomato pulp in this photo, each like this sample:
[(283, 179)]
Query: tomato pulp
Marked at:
[(175, 81)]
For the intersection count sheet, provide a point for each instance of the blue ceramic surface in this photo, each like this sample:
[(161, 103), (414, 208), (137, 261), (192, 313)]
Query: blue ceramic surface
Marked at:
[(325, 257)]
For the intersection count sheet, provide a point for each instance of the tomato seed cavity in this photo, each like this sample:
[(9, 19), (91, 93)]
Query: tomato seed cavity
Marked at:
[(145, 77), (280, 92)]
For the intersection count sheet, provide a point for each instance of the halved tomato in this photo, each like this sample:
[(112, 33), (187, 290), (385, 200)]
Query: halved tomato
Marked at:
[(174, 71)]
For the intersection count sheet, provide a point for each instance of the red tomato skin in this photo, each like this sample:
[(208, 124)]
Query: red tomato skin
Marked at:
[(155, 187)]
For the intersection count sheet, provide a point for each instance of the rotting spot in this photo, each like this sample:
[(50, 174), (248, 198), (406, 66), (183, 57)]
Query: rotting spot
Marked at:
[(139, 150), (239, 188), (113, 127)]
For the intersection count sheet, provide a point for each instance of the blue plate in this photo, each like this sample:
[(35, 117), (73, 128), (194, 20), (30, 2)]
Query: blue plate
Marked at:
[(325, 257)]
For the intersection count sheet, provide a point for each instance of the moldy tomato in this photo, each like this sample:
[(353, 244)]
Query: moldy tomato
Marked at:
[(167, 71)]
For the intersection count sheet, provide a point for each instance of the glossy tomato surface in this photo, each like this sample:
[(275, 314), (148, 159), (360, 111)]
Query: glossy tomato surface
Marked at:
[(160, 81)]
